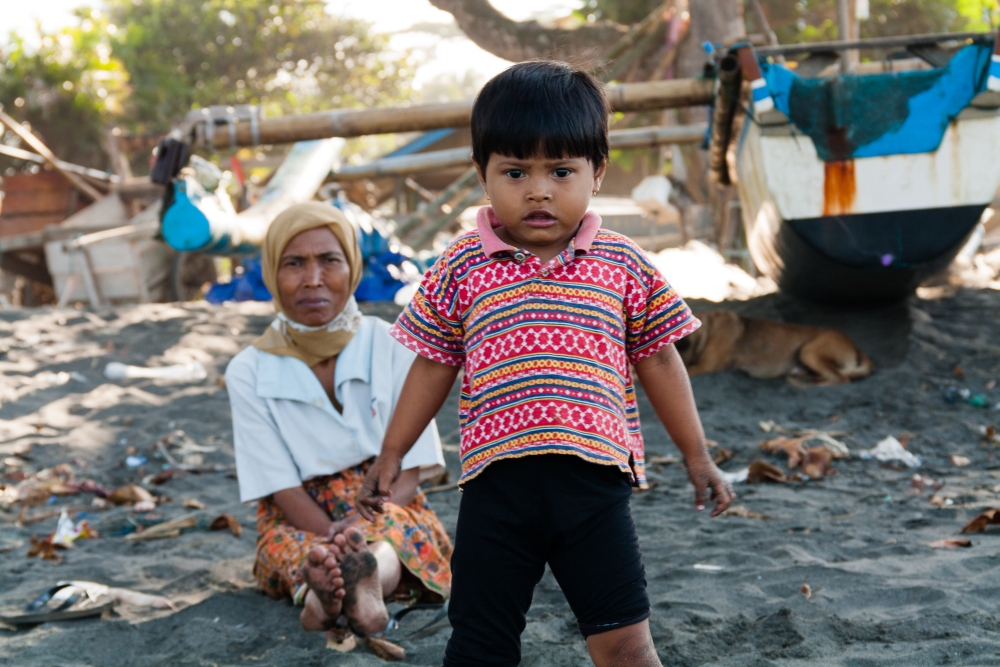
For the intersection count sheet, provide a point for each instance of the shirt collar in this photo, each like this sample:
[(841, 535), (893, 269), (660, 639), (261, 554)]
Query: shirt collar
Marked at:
[(289, 378), (486, 221)]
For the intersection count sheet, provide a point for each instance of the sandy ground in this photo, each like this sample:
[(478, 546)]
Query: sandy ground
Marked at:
[(858, 538)]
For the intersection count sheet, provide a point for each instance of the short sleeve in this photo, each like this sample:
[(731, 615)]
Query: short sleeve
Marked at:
[(431, 325), (263, 463), (655, 315)]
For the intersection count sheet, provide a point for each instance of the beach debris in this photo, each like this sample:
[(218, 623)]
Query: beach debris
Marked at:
[(719, 454), (191, 372), (920, 483), (226, 521), (939, 500), (662, 460), (158, 531), (385, 649), (193, 504), (144, 506), (743, 512), (978, 525), (950, 543), (68, 532), (891, 449), (135, 461), (705, 567), (976, 399), (989, 433), (162, 477), (131, 494), (791, 447), (44, 549), (959, 461), (816, 462), (737, 476), (38, 488), (806, 590), (760, 471), (958, 372), (341, 640)]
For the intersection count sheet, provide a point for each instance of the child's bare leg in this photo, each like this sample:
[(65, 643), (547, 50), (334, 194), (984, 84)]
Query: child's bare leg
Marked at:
[(364, 584), (325, 599), (630, 646)]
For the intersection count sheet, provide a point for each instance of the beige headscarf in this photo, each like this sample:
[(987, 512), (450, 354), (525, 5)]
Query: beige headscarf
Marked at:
[(291, 339)]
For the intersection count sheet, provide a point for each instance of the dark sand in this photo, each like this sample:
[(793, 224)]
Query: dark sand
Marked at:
[(880, 595)]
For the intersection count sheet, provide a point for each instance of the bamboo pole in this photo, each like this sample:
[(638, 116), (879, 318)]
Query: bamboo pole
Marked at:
[(431, 229), (28, 156), (413, 221), (359, 122), (43, 150), (642, 137)]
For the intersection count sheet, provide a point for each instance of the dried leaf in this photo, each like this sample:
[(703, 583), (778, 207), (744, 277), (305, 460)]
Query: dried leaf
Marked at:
[(959, 461), (662, 460), (44, 549), (224, 521), (193, 504), (979, 524), (170, 528), (816, 462), (905, 437), (130, 495), (791, 447), (762, 470), (385, 649), (806, 590), (722, 455), (339, 642), (958, 372), (164, 476), (950, 543), (741, 511)]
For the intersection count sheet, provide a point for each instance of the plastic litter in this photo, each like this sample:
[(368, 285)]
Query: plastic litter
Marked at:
[(68, 532), (736, 477), (134, 461), (964, 394), (890, 449), (191, 372)]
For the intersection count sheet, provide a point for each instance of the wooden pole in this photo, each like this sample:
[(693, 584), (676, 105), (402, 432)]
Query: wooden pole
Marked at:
[(643, 137), (418, 118), (43, 150), (28, 156)]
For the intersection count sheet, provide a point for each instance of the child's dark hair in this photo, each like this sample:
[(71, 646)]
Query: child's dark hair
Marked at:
[(540, 107)]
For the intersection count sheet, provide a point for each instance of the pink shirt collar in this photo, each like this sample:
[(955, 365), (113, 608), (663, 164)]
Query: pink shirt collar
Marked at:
[(486, 220)]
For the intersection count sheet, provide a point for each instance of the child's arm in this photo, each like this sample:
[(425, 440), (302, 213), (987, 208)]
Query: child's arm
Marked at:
[(668, 388), (424, 392)]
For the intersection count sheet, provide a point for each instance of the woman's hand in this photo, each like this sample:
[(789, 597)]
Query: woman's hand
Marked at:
[(709, 484), (376, 489)]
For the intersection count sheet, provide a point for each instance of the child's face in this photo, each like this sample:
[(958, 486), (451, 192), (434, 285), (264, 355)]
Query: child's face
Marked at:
[(540, 200)]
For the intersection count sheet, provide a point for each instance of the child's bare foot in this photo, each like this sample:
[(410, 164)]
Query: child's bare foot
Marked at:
[(362, 604), (325, 600)]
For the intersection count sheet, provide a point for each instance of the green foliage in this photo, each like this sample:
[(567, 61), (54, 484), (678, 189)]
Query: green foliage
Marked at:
[(143, 64), (67, 88), (287, 55)]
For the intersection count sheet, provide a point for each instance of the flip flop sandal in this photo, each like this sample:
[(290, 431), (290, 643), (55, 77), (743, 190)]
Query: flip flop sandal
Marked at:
[(394, 620), (74, 601)]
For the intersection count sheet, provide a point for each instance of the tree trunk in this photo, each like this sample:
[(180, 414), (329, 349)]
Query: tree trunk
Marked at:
[(518, 41)]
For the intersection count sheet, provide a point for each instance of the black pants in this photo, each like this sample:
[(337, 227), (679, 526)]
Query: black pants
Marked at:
[(520, 514)]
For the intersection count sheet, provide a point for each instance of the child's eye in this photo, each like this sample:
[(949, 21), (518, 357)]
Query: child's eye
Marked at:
[(514, 173), (562, 172)]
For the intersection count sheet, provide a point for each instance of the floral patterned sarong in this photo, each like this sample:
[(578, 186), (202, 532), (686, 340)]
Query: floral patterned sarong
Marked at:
[(414, 532)]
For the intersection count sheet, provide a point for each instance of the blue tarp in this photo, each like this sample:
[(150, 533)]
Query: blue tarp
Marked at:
[(869, 115)]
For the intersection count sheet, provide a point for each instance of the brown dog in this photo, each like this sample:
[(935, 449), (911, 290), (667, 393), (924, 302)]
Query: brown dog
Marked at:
[(766, 350)]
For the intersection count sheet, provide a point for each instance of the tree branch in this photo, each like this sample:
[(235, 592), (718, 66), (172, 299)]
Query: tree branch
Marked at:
[(518, 41)]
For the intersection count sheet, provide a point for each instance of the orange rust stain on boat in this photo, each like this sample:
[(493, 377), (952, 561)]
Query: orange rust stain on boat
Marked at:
[(839, 187)]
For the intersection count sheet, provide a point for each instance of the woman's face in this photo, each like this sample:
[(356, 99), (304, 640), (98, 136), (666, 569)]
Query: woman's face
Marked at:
[(314, 280)]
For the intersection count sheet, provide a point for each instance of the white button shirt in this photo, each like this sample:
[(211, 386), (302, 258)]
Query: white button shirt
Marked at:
[(285, 429)]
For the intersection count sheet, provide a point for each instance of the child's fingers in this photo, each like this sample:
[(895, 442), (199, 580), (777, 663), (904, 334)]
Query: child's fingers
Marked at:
[(722, 493)]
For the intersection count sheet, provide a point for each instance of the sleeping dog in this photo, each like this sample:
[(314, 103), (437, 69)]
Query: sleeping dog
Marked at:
[(765, 350)]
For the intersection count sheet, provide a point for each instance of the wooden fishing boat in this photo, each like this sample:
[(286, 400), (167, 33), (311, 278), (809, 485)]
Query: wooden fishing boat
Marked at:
[(854, 187)]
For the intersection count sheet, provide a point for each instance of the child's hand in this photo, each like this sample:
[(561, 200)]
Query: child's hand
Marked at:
[(377, 487), (705, 476)]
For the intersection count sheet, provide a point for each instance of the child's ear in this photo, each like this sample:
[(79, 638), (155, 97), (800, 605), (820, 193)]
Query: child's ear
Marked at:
[(599, 173), (480, 175)]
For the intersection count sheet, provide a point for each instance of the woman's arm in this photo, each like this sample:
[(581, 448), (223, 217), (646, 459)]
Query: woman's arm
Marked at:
[(302, 511)]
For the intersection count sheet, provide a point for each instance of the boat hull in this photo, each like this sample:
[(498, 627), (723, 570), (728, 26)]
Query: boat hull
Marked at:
[(868, 229)]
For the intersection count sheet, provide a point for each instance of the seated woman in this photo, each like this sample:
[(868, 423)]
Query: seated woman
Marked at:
[(311, 400)]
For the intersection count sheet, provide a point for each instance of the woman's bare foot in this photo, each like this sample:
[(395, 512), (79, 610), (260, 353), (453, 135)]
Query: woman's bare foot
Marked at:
[(362, 603), (325, 600)]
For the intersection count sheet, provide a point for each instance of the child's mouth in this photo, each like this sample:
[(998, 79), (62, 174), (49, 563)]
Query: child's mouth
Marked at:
[(540, 219)]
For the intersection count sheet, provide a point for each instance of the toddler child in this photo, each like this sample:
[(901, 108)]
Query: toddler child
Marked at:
[(548, 314)]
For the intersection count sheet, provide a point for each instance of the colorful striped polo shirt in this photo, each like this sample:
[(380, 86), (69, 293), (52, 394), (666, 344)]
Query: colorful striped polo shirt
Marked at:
[(547, 348)]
